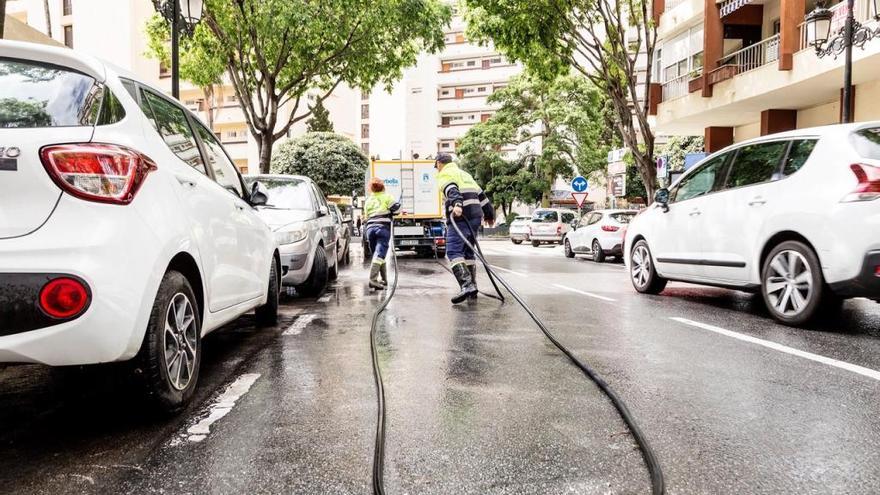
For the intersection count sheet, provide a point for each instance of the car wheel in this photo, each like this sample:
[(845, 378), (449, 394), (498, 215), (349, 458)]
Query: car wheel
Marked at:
[(792, 284), (643, 273), (535, 243), (267, 314), (568, 252), (598, 254), (171, 353), (516, 241), (318, 277)]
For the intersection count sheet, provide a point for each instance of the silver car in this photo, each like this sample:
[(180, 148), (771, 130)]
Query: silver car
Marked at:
[(299, 215)]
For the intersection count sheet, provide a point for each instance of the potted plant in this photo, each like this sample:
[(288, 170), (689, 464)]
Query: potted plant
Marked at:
[(695, 83)]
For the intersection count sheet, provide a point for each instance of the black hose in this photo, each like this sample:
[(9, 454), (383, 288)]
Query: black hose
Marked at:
[(379, 450), (653, 465), (499, 297)]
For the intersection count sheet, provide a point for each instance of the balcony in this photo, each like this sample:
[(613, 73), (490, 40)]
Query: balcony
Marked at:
[(745, 60), (675, 88)]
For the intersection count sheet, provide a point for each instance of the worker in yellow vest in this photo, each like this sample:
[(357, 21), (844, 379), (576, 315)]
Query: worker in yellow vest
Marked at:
[(379, 209), (467, 205)]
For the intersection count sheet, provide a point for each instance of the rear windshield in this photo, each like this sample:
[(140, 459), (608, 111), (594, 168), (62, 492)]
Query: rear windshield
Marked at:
[(39, 95), (623, 217), (285, 194), (867, 142), (545, 216)]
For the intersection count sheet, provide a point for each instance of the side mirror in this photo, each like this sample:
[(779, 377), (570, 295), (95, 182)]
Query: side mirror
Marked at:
[(258, 196), (661, 197), (322, 211), (574, 224)]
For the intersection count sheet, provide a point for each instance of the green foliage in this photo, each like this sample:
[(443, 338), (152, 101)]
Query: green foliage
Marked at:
[(320, 121), (23, 113), (201, 62), (567, 113), (677, 147), (635, 186), (333, 161)]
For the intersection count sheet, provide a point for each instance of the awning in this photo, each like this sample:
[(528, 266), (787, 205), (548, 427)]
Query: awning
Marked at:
[(730, 6)]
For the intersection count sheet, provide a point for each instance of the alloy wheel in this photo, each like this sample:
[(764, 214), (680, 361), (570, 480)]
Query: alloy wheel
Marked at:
[(180, 341), (789, 283), (641, 266), (597, 251)]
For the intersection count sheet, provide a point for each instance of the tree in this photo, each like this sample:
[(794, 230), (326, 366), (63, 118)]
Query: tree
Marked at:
[(568, 114), (320, 121), (333, 161), (677, 147), (607, 41), (277, 51), (200, 62)]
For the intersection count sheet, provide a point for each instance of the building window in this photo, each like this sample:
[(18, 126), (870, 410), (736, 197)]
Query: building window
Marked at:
[(232, 99), (66, 7), (164, 71), (365, 147), (365, 96), (365, 131), (365, 111), (482, 89), (68, 36), (416, 91)]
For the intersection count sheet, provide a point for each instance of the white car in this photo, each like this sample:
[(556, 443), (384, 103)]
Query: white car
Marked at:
[(550, 225), (794, 215), (126, 233), (519, 229), (599, 234)]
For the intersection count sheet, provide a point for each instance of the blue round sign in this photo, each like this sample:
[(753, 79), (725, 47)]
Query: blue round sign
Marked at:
[(579, 184)]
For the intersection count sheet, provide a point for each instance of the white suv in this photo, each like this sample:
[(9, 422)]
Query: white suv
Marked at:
[(550, 225), (126, 233), (794, 215)]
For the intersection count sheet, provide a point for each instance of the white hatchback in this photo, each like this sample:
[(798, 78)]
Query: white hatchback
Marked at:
[(599, 234), (126, 232), (794, 215)]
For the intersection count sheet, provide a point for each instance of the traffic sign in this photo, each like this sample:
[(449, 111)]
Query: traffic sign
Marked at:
[(579, 184), (579, 198)]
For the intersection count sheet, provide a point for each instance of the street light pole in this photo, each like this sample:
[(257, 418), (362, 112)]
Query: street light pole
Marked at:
[(186, 18), (175, 50), (847, 64)]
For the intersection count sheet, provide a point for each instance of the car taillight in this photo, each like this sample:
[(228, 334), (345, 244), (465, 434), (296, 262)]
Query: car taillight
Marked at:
[(104, 173), (877, 271), (610, 228), (63, 297), (559, 229), (440, 241), (868, 188)]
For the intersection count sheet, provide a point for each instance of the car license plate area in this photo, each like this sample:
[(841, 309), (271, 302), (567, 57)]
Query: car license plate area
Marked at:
[(409, 242)]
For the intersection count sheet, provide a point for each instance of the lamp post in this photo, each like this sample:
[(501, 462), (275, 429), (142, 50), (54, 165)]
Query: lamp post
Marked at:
[(853, 33), (182, 14)]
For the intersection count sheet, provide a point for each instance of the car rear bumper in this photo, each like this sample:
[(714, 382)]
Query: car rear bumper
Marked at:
[(866, 283), (519, 236), (546, 237)]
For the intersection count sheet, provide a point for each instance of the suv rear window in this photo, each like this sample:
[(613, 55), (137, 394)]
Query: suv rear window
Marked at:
[(867, 142), (545, 216), (42, 95), (623, 217)]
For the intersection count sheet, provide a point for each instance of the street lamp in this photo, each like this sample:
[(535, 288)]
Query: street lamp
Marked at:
[(853, 33), (183, 14)]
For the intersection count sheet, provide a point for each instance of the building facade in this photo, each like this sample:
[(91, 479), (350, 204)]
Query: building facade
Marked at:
[(736, 69)]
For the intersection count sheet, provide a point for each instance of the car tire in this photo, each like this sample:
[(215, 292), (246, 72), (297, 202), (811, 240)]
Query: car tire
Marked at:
[(175, 314), (536, 243), (568, 252), (598, 254), (792, 284), (642, 272), (516, 241), (267, 314), (318, 277)]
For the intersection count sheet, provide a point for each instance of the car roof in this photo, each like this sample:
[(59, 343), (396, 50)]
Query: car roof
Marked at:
[(62, 56), (819, 131)]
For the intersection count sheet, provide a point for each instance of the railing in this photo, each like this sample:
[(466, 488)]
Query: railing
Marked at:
[(675, 88), (751, 57), (861, 11), (671, 4)]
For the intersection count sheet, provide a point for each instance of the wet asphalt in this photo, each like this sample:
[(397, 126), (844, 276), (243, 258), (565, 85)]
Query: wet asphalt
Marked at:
[(478, 401)]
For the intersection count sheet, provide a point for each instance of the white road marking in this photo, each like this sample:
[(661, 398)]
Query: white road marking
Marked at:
[(585, 293), (783, 348), (509, 271), (302, 321), (222, 406), (324, 299)]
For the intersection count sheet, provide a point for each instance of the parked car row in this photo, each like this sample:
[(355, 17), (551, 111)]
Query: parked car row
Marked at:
[(127, 233)]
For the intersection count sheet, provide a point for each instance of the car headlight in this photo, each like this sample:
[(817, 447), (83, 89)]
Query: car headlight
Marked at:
[(290, 236)]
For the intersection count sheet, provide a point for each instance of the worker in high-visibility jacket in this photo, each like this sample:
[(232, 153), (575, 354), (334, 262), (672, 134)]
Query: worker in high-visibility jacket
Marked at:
[(379, 209), (467, 205)]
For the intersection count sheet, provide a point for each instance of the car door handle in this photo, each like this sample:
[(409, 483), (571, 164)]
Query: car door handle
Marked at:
[(186, 181), (757, 201), (695, 212)]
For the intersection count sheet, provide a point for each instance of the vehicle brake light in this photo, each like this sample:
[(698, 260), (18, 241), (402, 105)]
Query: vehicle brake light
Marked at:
[(63, 297), (610, 228), (868, 188), (559, 229), (877, 271), (104, 173), (440, 241)]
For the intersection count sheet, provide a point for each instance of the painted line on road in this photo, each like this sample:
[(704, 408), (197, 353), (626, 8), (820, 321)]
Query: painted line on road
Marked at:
[(222, 406), (783, 348), (518, 274), (585, 293), (324, 299), (302, 321)]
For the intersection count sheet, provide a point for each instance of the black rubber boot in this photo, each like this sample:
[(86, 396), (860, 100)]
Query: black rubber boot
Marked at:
[(473, 270), (375, 270), (463, 275)]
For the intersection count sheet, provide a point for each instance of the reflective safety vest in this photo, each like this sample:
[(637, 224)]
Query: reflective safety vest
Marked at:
[(380, 208), (460, 189)]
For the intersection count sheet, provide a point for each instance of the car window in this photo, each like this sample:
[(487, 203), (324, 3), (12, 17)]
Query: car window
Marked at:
[(170, 122), (545, 216), (595, 218), (867, 142), (285, 194), (567, 217), (335, 214), (585, 220), (797, 155), (623, 217), (702, 180), (322, 201), (225, 172), (756, 163)]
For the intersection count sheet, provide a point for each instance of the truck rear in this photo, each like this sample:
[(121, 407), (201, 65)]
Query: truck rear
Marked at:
[(420, 227)]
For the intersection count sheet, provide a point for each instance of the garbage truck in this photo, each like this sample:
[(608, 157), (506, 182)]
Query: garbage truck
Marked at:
[(420, 227)]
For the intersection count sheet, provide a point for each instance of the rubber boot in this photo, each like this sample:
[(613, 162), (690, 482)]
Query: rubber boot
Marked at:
[(473, 270), (463, 275), (375, 273), (383, 271)]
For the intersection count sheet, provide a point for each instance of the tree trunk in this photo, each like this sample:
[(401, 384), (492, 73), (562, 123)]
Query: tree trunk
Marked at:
[(648, 172), (208, 92), (48, 18), (264, 145), (2, 16)]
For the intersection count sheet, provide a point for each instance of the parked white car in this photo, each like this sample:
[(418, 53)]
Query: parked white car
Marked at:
[(126, 232), (795, 216), (550, 225), (519, 230), (299, 215), (599, 234)]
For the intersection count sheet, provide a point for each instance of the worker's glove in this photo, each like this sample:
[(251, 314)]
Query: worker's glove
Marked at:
[(456, 211)]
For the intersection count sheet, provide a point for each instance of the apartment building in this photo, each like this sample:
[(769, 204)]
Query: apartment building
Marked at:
[(736, 69), (82, 25)]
